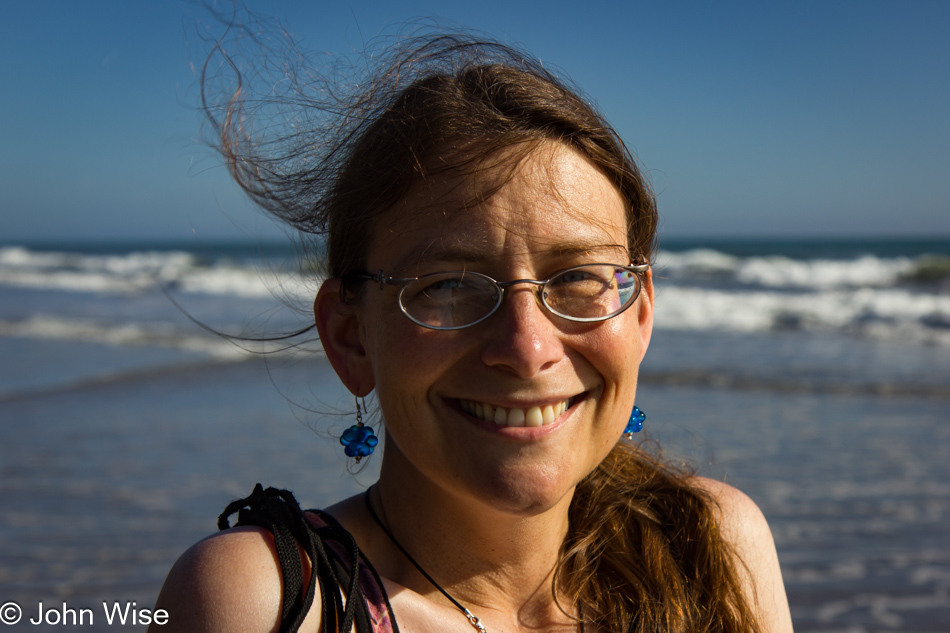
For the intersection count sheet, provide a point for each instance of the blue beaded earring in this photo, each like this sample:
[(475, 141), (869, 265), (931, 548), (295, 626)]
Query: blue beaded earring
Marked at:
[(635, 424), (359, 441)]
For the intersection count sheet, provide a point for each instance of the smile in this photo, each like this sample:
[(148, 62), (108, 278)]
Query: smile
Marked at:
[(532, 416)]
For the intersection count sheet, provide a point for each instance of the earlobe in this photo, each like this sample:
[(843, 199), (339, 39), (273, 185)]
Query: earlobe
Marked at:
[(645, 312), (339, 327)]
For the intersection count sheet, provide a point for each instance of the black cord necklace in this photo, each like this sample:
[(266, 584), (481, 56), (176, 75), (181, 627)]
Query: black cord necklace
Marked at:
[(468, 614), (474, 621)]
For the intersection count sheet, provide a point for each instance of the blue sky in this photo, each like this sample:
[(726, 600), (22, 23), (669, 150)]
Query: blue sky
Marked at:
[(752, 119)]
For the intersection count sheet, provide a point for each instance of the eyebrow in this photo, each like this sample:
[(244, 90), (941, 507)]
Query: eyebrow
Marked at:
[(458, 253), (561, 250)]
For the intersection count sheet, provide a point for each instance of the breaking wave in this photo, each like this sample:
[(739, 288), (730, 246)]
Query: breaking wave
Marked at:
[(142, 271), (776, 271)]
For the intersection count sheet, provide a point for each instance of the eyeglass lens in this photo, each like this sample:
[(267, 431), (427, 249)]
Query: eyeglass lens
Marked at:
[(456, 299)]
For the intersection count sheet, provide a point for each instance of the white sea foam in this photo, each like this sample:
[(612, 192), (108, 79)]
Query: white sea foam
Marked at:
[(163, 335), (147, 334), (784, 272), (700, 262), (245, 282), (141, 271), (885, 313)]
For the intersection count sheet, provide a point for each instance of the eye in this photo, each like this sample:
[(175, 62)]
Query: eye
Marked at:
[(591, 292), (444, 287), (573, 276), (588, 278), (455, 285), (438, 286), (449, 300)]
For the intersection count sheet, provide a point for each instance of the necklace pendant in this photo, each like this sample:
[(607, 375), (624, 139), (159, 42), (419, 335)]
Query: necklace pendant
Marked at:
[(474, 621)]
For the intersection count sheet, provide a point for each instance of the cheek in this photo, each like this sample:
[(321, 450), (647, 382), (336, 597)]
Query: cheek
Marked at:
[(406, 360), (404, 347), (614, 348), (614, 352)]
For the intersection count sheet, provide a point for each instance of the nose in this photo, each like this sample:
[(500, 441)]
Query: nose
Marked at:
[(522, 337)]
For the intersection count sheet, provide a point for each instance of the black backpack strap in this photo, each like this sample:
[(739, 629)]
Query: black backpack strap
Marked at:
[(278, 512)]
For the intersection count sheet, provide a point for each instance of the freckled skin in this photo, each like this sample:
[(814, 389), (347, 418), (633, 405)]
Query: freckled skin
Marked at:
[(529, 228)]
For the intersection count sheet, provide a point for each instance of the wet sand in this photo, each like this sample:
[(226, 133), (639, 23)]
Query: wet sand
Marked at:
[(105, 484)]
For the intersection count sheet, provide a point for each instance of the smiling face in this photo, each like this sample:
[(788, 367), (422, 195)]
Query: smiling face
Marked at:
[(514, 411)]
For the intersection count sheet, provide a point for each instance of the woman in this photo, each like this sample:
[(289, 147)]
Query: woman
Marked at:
[(488, 245)]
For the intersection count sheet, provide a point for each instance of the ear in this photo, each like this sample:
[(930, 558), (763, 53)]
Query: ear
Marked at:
[(341, 335), (645, 312)]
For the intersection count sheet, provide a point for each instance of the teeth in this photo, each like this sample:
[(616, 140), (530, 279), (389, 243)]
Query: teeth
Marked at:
[(533, 416), (501, 417), (516, 417)]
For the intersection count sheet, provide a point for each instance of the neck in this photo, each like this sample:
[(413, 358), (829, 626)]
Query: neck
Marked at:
[(484, 557)]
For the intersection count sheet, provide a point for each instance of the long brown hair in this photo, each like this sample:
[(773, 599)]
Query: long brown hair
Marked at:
[(334, 153)]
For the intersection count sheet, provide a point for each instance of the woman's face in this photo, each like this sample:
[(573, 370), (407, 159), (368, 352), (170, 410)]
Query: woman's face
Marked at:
[(557, 211)]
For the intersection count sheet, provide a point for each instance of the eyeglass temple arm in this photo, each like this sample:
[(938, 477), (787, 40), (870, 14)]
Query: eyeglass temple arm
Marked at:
[(383, 279), (367, 277)]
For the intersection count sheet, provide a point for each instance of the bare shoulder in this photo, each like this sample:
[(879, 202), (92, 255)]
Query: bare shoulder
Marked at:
[(745, 528), (228, 582), (739, 516)]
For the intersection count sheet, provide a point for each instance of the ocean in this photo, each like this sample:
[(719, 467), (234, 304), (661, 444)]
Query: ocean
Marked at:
[(812, 374)]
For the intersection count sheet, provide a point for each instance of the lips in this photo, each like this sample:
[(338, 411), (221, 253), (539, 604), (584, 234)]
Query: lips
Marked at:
[(502, 416)]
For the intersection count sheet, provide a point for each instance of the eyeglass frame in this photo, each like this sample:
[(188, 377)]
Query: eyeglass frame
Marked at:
[(503, 286)]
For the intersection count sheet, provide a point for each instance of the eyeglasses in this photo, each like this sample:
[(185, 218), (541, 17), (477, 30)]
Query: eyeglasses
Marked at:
[(457, 299)]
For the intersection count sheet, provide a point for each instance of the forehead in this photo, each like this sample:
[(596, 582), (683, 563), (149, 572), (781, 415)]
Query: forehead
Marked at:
[(552, 202)]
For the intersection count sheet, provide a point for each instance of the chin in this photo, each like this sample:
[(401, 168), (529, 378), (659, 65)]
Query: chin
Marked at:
[(525, 493)]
